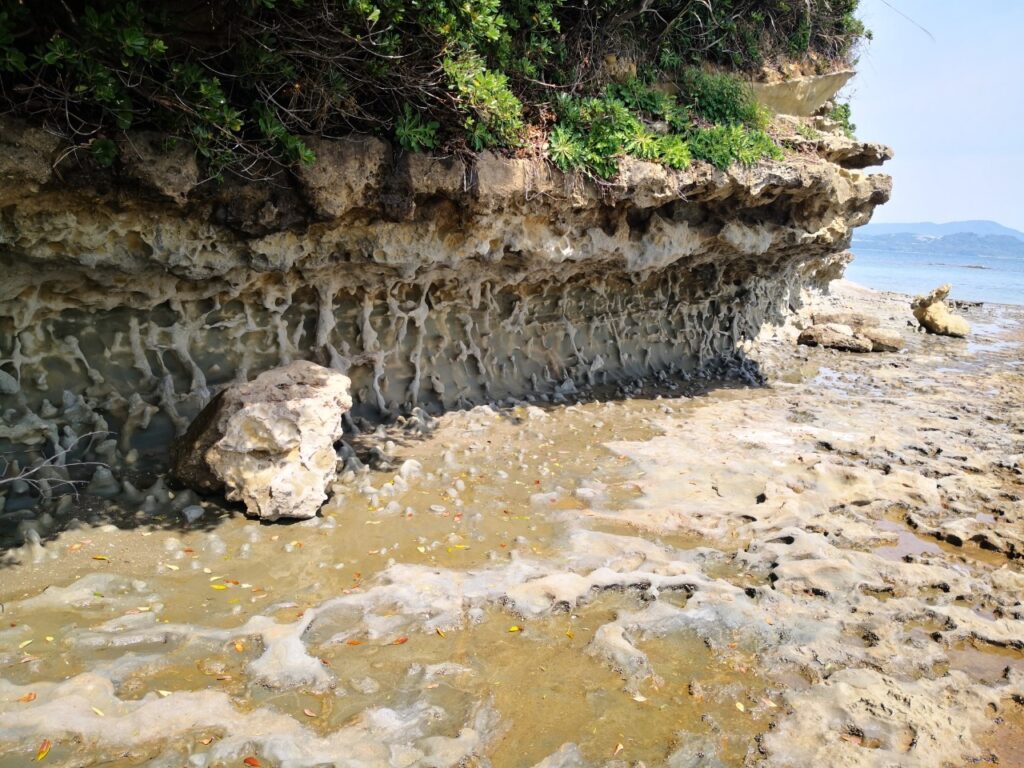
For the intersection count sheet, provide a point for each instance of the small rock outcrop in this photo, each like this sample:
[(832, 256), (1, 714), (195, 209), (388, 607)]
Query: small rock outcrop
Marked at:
[(934, 316), (268, 443), (850, 332)]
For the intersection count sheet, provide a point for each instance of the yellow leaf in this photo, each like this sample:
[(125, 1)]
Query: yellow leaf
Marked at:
[(239, 646), (44, 749), (569, 634), (100, 557), (98, 711), (171, 567), (25, 643), (440, 632), (218, 586), (515, 628), (740, 707)]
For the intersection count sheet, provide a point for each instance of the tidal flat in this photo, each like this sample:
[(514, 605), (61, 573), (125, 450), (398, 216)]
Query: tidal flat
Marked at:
[(824, 570)]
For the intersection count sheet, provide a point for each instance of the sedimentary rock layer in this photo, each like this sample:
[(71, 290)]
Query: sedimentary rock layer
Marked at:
[(130, 298)]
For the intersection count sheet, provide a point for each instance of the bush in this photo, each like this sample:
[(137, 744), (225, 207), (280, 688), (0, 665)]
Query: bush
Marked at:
[(841, 113), (244, 79)]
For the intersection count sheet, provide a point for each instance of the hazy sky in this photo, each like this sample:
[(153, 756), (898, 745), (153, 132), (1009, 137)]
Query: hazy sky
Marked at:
[(951, 107)]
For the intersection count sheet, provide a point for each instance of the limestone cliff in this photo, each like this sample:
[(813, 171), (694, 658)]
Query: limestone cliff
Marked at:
[(129, 299)]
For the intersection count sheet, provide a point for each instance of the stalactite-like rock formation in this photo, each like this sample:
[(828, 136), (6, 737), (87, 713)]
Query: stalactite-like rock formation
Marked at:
[(128, 300)]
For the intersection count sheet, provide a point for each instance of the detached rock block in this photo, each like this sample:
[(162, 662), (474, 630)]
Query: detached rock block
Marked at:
[(268, 443), (834, 336), (934, 316)]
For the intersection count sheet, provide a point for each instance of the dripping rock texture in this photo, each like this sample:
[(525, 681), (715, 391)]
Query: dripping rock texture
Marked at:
[(130, 299)]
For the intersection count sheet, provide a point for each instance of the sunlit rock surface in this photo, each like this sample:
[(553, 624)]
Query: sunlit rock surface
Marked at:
[(128, 302), (268, 443)]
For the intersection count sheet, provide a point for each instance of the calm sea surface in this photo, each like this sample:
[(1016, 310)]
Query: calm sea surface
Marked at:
[(976, 278)]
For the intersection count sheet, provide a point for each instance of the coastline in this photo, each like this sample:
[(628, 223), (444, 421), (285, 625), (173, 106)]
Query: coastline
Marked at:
[(825, 570)]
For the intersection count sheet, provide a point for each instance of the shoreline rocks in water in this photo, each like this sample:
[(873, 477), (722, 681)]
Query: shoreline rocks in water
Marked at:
[(933, 314), (268, 443)]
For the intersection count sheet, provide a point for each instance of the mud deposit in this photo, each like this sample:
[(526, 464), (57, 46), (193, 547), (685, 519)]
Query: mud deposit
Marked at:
[(825, 571)]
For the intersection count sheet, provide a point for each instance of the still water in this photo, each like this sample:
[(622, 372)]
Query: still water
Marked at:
[(975, 278)]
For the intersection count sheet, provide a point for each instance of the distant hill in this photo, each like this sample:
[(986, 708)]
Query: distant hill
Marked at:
[(957, 244), (977, 227)]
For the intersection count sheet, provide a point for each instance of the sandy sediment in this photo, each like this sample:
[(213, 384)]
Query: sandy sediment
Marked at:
[(822, 571)]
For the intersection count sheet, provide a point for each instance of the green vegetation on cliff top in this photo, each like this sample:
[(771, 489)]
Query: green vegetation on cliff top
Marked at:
[(245, 80)]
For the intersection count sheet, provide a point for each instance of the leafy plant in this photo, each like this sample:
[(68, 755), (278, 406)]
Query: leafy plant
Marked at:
[(414, 133), (841, 113)]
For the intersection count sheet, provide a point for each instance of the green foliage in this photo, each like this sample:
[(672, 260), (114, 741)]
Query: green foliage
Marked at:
[(723, 145), (807, 131), (721, 98), (245, 79), (495, 115), (841, 113), (415, 134)]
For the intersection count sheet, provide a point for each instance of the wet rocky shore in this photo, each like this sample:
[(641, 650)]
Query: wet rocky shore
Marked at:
[(823, 570)]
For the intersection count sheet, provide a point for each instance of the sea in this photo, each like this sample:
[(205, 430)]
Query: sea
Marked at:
[(994, 279)]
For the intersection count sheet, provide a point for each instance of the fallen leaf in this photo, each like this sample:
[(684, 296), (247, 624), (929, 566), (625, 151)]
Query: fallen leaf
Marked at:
[(640, 697), (401, 641), (618, 748), (207, 741), (98, 711), (252, 761), (239, 646), (100, 557), (740, 707), (769, 703), (171, 567), (30, 696), (24, 644), (515, 628), (75, 547), (440, 632), (164, 693), (309, 713), (353, 642), (569, 634), (44, 749), (218, 586)]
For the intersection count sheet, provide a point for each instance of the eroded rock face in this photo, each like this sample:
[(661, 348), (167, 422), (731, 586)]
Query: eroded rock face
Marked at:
[(934, 316), (430, 283), (268, 443)]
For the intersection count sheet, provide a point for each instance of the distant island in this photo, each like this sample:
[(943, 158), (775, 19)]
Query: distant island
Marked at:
[(986, 239), (976, 227)]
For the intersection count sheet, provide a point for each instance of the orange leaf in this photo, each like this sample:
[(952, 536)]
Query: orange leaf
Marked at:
[(30, 696), (206, 742), (353, 642), (44, 749), (255, 763), (239, 646), (402, 640)]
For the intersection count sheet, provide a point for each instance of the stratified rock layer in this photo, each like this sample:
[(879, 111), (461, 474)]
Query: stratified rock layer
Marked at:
[(268, 443), (129, 302)]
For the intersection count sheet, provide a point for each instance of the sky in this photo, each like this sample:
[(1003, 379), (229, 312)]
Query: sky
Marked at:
[(950, 103)]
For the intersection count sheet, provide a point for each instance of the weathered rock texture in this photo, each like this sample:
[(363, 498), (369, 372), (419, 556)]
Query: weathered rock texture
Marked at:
[(127, 302), (268, 443), (934, 316), (850, 332)]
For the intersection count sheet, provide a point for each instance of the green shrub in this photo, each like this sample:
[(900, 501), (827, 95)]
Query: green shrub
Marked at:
[(414, 133), (841, 113), (722, 98), (723, 145), (245, 79)]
